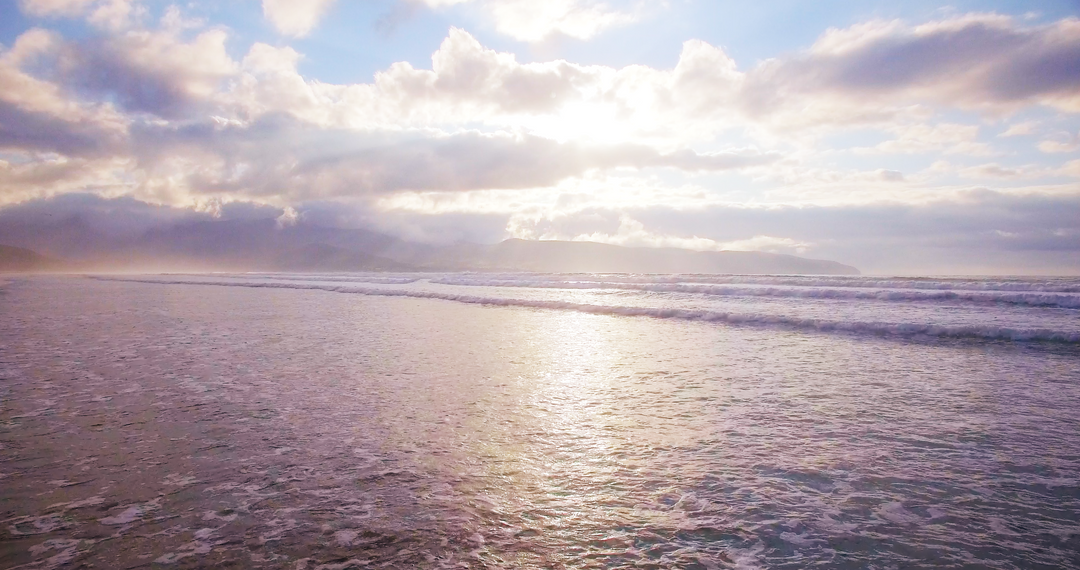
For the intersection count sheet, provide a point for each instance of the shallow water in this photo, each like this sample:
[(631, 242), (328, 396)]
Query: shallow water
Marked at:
[(186, 425)]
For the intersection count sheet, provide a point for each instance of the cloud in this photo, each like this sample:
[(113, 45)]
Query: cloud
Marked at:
[(983, 62), (768, 243), (703, 154), (22, 180), (37, 115), (288, 217), (151, 71), (1071, 168), (468, 83), (921, 138), (108, 14), (631, 233), (950, 235), (295, 17), (1062, 142), (978, 231), (878, 73), (530, 21), (280, 156), (991, 170), (1020, 129), (66, 8), (973, 231), (162, 73)]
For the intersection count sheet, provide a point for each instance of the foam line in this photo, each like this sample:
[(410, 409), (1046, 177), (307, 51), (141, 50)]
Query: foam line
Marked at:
[(328, 278), (1059, 300), (1064, 285), (817, 325)]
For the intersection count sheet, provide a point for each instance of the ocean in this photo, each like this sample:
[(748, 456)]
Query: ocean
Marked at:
[(485, 420)]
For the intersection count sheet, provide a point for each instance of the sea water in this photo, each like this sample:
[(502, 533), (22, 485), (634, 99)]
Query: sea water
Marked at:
[(539, 421)]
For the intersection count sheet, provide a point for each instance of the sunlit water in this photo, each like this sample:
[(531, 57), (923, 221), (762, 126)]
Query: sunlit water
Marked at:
[(552, 421)]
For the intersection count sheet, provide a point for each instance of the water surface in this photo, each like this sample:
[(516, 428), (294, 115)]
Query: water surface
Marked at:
[(510, 421)]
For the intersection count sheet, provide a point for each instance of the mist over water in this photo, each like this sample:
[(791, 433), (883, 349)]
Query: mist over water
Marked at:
[(515, 421)]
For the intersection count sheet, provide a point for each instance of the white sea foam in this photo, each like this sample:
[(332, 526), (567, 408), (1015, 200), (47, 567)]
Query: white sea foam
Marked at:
[(130, 515), (1061, 300), (1043, 285), (984, 332), (335, 278)]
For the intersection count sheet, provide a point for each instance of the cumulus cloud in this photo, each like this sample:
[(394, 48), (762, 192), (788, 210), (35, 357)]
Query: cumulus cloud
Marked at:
[(151, 71), (468, 83), (871, 74), (161, 72), (295, 17), (38, 115)]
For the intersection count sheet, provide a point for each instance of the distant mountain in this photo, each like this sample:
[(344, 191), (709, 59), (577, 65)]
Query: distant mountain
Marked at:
[(19, 259), (585, 257), (225, 245), (263, 245), (323, 257)]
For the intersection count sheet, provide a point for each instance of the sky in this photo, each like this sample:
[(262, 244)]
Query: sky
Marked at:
[(914, 137)]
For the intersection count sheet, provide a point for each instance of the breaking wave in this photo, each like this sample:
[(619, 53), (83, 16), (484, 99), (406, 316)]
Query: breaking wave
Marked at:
[(802, 324), (1048, 285), (1060, 300)]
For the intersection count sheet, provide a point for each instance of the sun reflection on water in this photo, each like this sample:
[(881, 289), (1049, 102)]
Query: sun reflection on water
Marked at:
[(581, 462)]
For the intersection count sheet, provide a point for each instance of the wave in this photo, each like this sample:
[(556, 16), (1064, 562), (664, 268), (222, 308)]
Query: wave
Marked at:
[(333, 278), (1059, 300), (1059, 285), (814, 325)]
